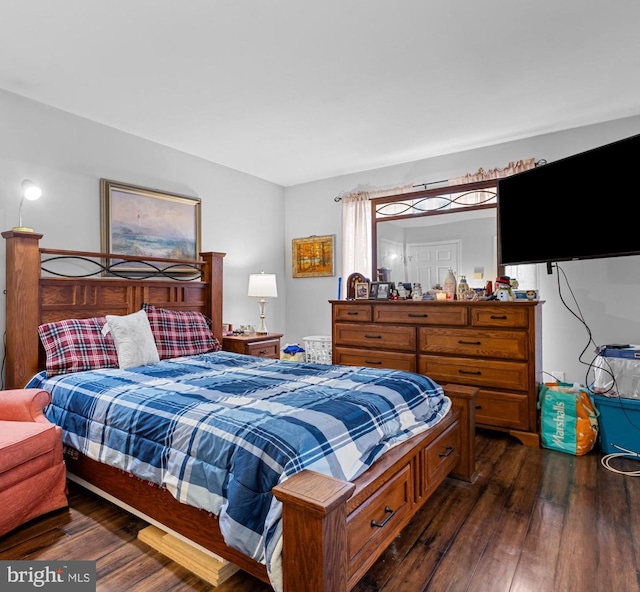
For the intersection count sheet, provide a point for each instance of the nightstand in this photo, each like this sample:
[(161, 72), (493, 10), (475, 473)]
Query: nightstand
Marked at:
[(264, 346)]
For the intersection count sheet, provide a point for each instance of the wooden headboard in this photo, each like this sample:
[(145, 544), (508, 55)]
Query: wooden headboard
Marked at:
[(34, 298)]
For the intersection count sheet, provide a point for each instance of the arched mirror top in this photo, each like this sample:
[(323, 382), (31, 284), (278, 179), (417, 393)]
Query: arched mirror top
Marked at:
[(417, 237)]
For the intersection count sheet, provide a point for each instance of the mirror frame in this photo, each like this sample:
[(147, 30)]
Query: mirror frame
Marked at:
[(414, 202)]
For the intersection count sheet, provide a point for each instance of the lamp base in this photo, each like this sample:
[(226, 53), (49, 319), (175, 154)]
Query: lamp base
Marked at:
[(22, 229), (262, 327)]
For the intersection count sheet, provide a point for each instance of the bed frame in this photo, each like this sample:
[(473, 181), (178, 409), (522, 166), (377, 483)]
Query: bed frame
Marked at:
[(333, 531)]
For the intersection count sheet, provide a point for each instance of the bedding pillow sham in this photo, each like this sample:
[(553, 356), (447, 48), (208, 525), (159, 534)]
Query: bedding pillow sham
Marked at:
[(180, 333), (74, 345), (133, 338)]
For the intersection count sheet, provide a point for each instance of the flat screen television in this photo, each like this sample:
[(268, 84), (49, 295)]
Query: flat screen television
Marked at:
[(580, 207)]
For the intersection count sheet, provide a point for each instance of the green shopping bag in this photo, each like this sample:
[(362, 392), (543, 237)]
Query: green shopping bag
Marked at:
[(568, 418)]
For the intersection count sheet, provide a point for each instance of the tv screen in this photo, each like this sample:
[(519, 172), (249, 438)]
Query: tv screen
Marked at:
[(579, 207)]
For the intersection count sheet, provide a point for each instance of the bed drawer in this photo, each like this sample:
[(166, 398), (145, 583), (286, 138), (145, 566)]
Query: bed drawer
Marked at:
[(442, 455), (475, 372), (510, 345), (375, 336), (374, 359), (446, 314), (373, 524)]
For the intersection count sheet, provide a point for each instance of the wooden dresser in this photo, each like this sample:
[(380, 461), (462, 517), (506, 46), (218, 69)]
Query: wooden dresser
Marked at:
[(495, 346)]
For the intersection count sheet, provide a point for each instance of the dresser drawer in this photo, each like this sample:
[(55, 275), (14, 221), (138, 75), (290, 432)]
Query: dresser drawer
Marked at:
[(421, 314), (510, 345), (374, 358), (505, 410), (500, 316), (352, 313), (375, 336), (388, 507), (475, 372)]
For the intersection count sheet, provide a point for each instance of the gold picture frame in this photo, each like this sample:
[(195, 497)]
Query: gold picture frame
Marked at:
[(313, 256), (362, 290), (143, 222)]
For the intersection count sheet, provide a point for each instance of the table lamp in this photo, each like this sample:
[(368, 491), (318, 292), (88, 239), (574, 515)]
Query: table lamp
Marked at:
[(30, 192), (262, 286)]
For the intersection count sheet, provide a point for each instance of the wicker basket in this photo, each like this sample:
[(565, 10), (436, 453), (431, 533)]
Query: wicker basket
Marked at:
[(317, 349)]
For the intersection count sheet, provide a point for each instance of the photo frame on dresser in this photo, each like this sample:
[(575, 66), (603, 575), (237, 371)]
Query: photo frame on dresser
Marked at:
[(140, 221), (362, 290)]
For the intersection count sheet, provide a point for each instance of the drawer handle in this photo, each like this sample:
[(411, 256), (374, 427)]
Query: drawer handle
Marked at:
[(263, 351), (450, 449), (476, 372), (463, 342), (502, 317), (353, 313), (373, 336), (376, 362), (387, 510), (478, 406), (414, 314)]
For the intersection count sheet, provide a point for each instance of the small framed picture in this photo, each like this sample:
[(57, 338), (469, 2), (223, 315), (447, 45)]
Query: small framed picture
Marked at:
[(384, 291), (362, 290)]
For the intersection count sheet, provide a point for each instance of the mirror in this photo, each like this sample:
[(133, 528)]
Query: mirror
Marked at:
[(418, 237)]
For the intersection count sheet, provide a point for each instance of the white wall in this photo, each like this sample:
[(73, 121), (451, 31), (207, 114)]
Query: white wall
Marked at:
[(253, 221), (242, 215), (606, 290)]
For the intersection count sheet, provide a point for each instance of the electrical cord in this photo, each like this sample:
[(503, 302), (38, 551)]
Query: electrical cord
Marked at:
[(607, 458)]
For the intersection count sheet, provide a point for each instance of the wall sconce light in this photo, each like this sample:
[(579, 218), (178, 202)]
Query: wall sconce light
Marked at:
[(30, 192), (262, 285)]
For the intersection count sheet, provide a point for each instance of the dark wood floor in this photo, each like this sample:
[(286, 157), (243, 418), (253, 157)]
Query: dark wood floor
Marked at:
[(534, 520)]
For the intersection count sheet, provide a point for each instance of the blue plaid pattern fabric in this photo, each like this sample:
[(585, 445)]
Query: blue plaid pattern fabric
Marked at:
[(220, 430)]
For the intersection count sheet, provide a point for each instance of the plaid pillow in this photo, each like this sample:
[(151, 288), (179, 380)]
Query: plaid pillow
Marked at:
[(73, 345), (179, 333)]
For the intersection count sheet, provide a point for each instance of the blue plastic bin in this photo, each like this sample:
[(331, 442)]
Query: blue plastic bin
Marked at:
[(619, 422)]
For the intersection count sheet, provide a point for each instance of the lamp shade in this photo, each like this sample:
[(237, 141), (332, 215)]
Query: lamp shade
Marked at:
[(262, 285), (30, 190)]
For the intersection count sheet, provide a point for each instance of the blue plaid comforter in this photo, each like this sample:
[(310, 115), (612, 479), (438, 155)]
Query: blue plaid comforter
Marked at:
[(220, 430)]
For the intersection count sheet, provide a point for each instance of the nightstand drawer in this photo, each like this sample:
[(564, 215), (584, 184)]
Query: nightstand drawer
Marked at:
[(264, 346), (264, 349)]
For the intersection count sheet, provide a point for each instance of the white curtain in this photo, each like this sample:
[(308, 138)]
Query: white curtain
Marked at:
[(356, 231), (356, 235)]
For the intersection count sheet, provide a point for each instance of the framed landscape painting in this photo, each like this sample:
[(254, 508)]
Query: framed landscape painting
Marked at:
[(313, 256), (143, 222)]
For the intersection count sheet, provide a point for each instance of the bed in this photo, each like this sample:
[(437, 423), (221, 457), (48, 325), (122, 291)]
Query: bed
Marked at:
[(322, 527)]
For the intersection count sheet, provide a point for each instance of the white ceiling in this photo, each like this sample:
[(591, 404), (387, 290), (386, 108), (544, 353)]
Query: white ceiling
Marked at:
[(294, 91)]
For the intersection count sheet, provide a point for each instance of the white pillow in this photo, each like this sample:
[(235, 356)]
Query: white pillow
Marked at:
[(133, 338)]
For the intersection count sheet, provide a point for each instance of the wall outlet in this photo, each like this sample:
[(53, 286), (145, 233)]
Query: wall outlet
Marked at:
[(559, 376)]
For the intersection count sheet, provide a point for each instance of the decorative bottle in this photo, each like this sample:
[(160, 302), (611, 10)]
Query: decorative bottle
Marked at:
[(450, 285), (462, 287)]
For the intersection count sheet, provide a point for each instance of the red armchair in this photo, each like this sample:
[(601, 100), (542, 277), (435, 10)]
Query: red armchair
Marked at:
[(32, 471)]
